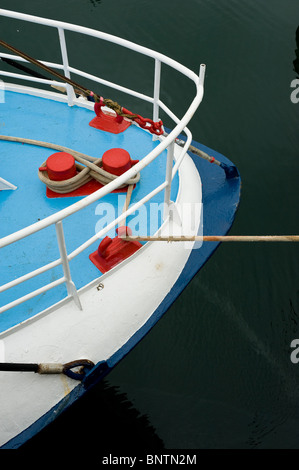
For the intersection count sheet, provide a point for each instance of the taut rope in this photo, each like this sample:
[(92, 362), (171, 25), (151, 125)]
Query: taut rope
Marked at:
[(115, 106), (84, 366), (217, 238), (153, 127)]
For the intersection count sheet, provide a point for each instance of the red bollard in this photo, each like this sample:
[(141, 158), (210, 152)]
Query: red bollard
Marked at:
[(60, 166)]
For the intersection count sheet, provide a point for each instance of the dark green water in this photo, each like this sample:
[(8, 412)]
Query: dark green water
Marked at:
[(215, 372)]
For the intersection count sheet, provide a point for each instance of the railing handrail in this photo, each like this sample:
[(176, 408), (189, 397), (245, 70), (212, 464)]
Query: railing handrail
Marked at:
[(146, 160), (167, 142), (101, 35)]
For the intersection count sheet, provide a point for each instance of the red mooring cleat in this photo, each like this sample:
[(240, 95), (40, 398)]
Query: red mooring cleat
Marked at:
[(108, 122), (112, 251)]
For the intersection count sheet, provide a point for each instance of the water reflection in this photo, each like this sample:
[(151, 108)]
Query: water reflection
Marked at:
[(104, 419), (95, 3), (296, 61)]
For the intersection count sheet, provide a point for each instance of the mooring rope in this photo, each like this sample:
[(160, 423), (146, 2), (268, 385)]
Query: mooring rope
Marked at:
[(56, 74), (216, 238), (149, 124), (91, 170), (82, 366), (230, 170)]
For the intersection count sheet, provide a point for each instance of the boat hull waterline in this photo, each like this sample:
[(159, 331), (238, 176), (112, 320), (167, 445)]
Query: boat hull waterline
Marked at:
[(88, 313)]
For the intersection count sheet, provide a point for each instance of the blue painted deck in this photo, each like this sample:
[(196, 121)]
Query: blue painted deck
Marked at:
[(55, 122), (221, 197)]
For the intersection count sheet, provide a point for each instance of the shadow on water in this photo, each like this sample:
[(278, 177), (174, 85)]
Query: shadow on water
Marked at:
[(103, 419)]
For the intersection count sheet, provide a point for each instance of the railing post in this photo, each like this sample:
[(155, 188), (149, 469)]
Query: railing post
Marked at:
[(202, 71), (168, 178), (156, 92), (70, 91), (71, 288)]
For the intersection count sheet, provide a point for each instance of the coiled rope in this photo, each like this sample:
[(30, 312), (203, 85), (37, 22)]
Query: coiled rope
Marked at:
[(88, 168)]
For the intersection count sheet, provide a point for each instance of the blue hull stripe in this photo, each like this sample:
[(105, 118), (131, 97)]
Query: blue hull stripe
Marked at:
[(220, 203)]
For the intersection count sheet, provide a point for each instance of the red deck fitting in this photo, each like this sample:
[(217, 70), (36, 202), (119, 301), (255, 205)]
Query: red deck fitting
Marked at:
[(115, 161), (60, 166), (108, 122), (112, 251)]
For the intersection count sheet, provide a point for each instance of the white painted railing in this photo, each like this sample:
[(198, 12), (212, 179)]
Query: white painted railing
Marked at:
[(166, 143)]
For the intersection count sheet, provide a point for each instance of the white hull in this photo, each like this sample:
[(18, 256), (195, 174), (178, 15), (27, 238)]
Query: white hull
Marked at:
[(109, 318)]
